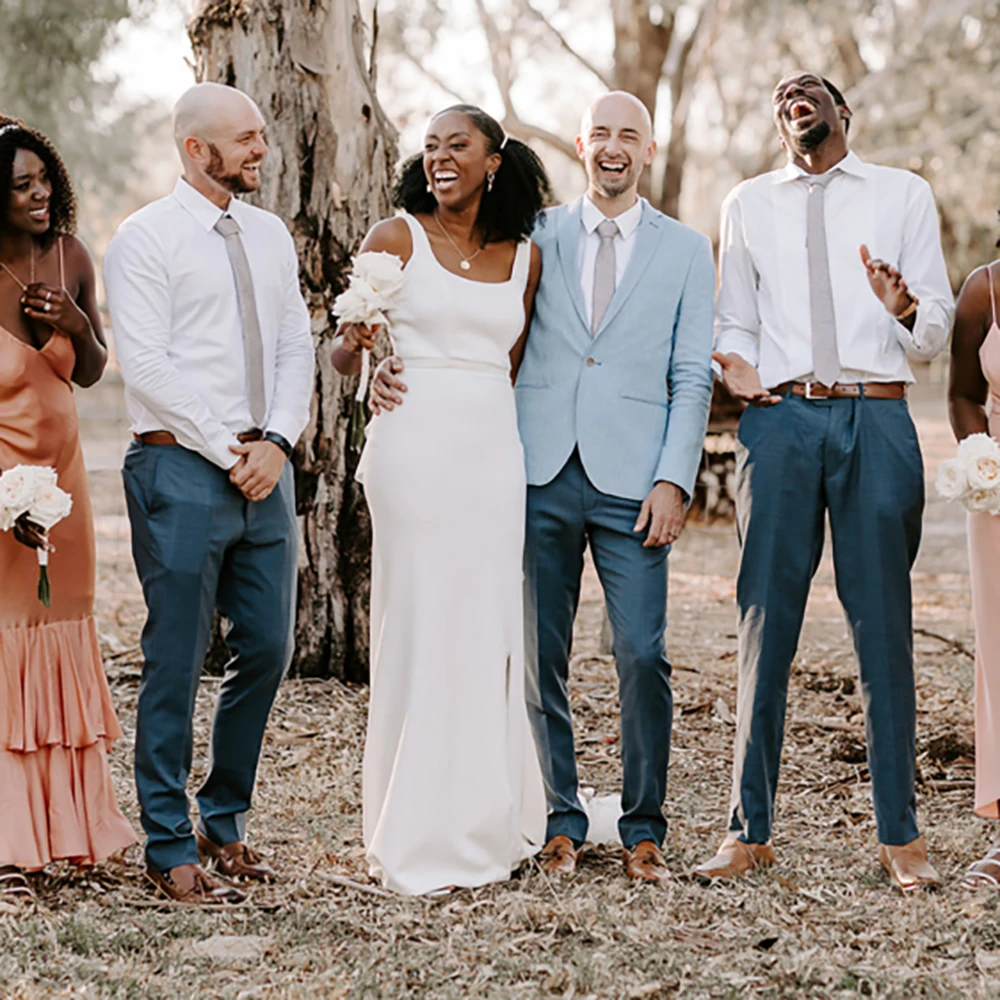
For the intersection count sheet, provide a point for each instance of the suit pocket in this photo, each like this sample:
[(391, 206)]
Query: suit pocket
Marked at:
[(661, 402)]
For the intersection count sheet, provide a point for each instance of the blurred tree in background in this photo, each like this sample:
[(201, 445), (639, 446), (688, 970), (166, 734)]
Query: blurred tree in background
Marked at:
[(50, 76)]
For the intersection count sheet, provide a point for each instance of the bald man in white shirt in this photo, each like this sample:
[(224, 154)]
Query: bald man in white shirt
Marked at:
[(814, 332), (213, 339)]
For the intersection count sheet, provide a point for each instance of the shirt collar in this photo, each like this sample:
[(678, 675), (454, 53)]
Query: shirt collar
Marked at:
[(591, 217), (205, 212), (850, 164)]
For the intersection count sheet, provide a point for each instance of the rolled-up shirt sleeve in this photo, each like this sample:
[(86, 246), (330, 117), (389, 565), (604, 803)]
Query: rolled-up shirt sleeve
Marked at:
[(923, 268), (294, 356), (737, 318), (138, 291)]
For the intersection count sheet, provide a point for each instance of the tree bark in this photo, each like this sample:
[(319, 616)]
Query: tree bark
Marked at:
[(332, 152)]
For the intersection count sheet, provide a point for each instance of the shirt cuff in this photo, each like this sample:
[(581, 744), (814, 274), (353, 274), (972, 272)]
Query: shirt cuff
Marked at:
[(288, 425)]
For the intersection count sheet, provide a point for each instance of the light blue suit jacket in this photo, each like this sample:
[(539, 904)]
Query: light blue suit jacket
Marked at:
[(633, 397)]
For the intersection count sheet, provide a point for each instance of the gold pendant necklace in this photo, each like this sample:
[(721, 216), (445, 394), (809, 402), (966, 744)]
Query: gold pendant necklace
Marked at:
[(466, 262)]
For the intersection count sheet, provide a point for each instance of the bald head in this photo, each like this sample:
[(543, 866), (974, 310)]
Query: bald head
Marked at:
[(615, 144), (210, 111), (618, 108)]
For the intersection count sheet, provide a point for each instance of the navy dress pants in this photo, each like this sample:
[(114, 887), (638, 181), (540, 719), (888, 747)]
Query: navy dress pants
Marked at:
[(857, 461), (563, 517), (199, 545)]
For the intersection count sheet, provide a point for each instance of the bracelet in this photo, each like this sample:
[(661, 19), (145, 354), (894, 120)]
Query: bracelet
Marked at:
[(275, 438), (909, 310)]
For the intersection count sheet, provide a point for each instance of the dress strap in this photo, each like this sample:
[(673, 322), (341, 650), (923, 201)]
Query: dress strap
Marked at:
[(418, 235), (522, 265), (62, 266), (993, 294)]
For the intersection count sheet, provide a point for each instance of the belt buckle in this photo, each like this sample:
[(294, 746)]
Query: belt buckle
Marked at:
[(808, 390)]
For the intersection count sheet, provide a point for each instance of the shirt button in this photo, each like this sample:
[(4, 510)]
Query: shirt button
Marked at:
[(591, 362)]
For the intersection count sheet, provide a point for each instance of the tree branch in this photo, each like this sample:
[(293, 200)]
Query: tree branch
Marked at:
[(565, 45), (961, 129)]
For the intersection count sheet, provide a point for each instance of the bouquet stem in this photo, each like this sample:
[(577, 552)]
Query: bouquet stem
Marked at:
[(44, 588)]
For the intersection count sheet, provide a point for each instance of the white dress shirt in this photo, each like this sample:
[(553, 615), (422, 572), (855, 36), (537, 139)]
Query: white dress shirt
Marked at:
[(176, 324), (762, 310), (590, 218)]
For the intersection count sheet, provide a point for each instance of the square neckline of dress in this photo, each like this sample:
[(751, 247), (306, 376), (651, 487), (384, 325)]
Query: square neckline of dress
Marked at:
[(471, 281)]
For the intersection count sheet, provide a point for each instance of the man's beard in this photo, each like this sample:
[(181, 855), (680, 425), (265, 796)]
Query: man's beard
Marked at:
[(814, 138), (612, 187), (234, 182)]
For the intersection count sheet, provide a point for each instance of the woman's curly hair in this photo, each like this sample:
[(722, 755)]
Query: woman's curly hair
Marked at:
[(15, 135), (521, 188)]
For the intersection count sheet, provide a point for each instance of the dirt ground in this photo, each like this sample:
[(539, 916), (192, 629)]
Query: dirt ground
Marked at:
[(823, 923)]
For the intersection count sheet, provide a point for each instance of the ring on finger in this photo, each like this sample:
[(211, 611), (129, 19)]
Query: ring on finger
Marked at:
[(48, 295), (48, 307)]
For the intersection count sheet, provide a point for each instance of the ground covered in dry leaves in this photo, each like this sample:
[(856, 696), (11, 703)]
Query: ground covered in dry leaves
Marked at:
[(824, 923)]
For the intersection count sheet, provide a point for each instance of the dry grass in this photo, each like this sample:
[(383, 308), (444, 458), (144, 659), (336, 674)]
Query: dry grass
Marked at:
[(824, 923)]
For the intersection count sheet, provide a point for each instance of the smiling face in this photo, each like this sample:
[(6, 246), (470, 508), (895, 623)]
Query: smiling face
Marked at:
[(806, 114), (30, 194), (615, 144), (456, 158)]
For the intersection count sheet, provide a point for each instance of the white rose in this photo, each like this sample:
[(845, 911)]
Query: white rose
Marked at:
[(983, 472), (975, 446), (360, 303), (382, 271), (20, 485), (50, 506), (7, 519), (951, 479), (980, 501)]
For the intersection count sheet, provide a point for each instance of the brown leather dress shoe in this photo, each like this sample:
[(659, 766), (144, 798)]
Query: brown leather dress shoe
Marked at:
[(908, 866), (645, 863), (235, 860), (736, 859), (559, 856), (193, 885)]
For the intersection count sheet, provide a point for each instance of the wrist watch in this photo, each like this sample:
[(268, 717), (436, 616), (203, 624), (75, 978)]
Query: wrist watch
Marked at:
[(275, 438)]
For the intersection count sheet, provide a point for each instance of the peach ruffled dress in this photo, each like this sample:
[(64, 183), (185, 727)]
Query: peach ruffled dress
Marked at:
[(57, 720), (984, 572)]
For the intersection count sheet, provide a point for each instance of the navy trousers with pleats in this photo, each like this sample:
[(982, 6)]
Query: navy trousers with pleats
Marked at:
[(858, 462)]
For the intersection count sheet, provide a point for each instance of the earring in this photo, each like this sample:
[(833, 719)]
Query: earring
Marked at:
[(429, 188), (489, 182)]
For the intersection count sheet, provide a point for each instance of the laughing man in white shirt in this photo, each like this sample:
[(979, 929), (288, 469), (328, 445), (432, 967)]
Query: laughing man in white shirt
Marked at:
[(814, 332), (213, 339)]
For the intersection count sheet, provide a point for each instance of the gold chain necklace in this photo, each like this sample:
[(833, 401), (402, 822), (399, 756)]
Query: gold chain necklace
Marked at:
[(20, 283), (466, 262)]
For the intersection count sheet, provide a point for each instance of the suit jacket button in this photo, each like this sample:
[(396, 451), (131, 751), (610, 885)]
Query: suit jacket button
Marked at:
[(591, 362)]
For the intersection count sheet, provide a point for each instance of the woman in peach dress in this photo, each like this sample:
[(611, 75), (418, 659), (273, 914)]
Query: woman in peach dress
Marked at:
[(56, 716), (975, 378)]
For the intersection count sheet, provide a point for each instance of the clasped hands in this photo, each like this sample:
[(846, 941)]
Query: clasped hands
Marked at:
[(742, 379), (258, 469)]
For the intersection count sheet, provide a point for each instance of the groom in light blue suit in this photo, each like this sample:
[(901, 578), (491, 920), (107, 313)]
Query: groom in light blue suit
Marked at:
[(612, 399)]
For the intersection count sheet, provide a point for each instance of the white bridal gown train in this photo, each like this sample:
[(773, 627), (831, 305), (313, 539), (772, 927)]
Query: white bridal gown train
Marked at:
[(453, 792)]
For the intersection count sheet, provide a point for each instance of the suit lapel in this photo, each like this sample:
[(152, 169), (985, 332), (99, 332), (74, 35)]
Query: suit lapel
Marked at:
[(647, 239), (569, 247)]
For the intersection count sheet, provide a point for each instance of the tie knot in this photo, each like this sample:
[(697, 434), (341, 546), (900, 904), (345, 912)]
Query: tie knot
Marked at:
[(820, 180), (608, 229), (227, 226)]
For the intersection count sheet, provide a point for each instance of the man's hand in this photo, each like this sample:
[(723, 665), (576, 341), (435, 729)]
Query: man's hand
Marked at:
[(663, 511), (387, 390), (887, 284), (257, 472), (743, 380)]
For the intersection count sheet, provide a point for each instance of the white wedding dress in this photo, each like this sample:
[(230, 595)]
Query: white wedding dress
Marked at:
[(453, 793)]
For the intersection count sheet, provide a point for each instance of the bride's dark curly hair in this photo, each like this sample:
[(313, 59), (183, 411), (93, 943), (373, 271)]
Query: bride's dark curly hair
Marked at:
[(521, 188), (15, 135)]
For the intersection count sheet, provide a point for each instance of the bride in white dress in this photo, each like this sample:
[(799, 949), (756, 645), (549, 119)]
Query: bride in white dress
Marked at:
[(453, 793)]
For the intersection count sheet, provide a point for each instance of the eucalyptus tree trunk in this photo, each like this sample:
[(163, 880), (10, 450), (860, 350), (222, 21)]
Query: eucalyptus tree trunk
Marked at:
[(327, 175)]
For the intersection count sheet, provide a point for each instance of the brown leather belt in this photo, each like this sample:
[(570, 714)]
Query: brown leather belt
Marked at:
[(165, 437), (845, 390)]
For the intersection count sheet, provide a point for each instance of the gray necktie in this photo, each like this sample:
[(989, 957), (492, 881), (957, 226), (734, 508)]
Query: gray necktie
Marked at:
[(253, 344), (605, 272), (826, 360)]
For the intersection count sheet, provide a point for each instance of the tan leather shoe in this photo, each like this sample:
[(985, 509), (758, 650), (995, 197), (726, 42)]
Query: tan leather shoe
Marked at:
[(235, 861), (559, 856), (736, 859), (194, 886), (645, 863), (908, 866)]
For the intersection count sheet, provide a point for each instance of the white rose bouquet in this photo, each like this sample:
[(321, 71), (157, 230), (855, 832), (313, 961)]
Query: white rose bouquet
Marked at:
[(375, 282), (972, 477), (31, 499)]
